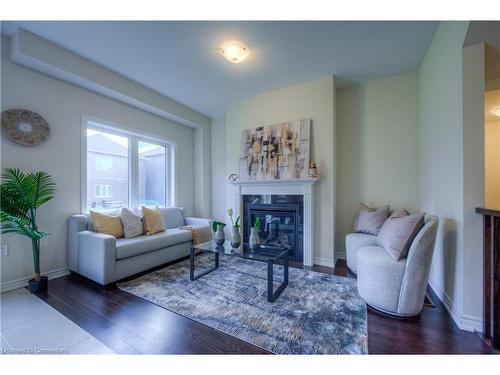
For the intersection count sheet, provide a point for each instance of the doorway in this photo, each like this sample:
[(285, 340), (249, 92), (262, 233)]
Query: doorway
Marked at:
[(492, 149)]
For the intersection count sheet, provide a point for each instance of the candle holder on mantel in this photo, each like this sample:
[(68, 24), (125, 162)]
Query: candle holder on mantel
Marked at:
[(491, 277)]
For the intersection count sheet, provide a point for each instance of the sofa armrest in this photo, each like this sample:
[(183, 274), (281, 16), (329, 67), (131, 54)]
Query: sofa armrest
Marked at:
[(76, 224), (97, 256), (196, 221)]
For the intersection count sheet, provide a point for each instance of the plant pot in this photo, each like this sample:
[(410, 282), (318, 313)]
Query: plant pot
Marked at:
[(38, 286)]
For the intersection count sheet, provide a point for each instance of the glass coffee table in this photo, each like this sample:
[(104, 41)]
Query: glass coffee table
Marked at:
[(266, 254)]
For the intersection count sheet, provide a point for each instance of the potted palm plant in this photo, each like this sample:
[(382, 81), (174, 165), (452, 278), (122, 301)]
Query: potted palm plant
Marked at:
[(21, 194)]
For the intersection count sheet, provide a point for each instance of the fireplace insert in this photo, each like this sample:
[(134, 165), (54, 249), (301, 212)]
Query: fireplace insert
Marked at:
[(282, 221)]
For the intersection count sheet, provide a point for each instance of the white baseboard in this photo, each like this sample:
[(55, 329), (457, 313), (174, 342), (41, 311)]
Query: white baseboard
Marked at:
[(472, 323), (340, 255), (324, 262), (465, 322), (446, 300), (7, 286)]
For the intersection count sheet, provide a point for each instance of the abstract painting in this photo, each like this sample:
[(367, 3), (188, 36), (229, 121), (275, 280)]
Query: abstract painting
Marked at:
[(279, 151)]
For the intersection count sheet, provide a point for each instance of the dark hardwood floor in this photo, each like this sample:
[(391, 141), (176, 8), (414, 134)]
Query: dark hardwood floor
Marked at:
[(128, 324)]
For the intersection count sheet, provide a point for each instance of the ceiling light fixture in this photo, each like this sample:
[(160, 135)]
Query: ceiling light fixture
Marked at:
[(496, 111), (235, 52)]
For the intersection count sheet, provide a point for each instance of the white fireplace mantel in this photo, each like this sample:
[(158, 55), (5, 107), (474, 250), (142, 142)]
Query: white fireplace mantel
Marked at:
[(293, 181), (304, 187)]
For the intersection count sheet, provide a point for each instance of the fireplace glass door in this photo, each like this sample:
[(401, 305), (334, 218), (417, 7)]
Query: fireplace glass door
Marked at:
[(279, 226)]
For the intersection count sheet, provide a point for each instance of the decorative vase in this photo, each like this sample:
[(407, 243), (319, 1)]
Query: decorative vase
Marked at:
[(254, 239), (235, 237), (219, 235)]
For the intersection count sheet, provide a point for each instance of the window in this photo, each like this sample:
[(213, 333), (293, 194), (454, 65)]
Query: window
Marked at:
[(101, 147), (152, 179), (104, 191), (125, 169), (103, 163)]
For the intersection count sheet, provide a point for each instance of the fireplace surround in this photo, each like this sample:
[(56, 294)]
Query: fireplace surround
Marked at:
[(275, 190)]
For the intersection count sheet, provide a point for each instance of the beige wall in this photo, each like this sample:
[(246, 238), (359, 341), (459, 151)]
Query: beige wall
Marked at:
[(63, 105), (316, 100), (473, 177), (377, 148), (441, 155)]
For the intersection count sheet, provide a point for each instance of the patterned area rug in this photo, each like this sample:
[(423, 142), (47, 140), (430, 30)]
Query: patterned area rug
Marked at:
[(316, 314)]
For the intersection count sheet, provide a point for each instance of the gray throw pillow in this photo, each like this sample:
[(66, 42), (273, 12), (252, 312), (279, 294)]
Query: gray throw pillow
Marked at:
[(400, 213), (370, 220), (132, 223), (398, 233)]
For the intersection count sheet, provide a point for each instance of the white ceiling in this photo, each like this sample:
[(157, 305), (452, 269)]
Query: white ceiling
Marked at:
[(181, 60)]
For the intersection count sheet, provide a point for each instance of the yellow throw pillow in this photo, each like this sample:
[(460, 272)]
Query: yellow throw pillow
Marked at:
[(107, 224), (154, 222)]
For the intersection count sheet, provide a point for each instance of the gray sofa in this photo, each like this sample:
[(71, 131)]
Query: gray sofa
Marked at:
[(397, 287), (105, 259)]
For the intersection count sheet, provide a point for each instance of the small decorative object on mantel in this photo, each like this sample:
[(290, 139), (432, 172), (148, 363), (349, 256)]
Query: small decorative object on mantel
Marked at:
[(235, 230), (313, 170), (25, 127), (219, 236), (254, 239)]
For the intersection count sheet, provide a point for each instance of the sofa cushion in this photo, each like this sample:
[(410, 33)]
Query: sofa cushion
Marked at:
[(354, 242), (370, 220), (174, 218), (129, 247)]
